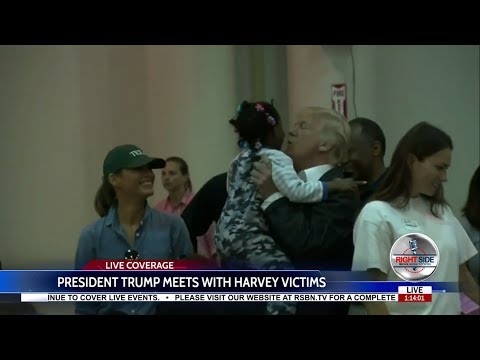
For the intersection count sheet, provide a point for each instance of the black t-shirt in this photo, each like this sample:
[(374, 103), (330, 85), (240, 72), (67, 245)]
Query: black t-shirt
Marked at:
[(371, 189), (206, 207)]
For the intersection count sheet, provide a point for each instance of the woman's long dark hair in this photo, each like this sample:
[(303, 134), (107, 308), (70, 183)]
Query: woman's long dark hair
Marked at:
[(471, 210), (104, 198), (422, 141)]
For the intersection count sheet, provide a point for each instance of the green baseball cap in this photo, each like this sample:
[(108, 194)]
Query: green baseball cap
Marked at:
[(128, 157)]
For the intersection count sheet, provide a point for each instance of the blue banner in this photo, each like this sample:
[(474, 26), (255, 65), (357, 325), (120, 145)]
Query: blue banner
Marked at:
[(201, 281)]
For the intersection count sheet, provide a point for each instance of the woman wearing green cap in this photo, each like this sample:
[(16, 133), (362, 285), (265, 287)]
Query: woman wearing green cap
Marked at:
[(128, 228)]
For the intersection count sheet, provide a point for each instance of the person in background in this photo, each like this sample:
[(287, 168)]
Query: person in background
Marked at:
[(366, 162), (367, 150), (128, 228), (471, 222), (176, 181), (206, 206), (410, 200)]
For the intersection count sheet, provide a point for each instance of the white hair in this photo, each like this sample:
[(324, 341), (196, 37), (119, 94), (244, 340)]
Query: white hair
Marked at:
[(334, 128)]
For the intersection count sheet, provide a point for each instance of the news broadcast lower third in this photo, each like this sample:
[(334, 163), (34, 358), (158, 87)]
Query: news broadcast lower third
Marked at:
[(183, 281), (191, 281), (150, 287)]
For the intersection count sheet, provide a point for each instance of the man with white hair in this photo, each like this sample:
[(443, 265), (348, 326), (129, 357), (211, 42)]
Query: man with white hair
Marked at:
[(318, 235)]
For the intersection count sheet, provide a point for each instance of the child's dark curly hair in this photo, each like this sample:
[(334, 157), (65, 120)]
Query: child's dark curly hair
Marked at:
[(254, 121)]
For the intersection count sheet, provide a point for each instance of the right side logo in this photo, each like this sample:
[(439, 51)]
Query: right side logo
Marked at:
[(414, 257)]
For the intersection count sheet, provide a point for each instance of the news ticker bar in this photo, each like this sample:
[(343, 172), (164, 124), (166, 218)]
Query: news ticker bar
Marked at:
[(405, 294), (233, 297)]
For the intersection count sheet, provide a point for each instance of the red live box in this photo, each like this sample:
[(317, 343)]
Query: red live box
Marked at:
[(414, 297)]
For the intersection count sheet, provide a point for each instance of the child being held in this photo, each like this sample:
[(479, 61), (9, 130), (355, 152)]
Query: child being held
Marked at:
[(242, 235)]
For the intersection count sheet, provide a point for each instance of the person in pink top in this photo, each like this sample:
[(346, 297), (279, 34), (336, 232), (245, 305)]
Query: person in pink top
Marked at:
[(176, 180)]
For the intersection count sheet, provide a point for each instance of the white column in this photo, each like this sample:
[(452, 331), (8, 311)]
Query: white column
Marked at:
[(191, 94), (275, 77), (312, 69), (363, 92), (42, 156)]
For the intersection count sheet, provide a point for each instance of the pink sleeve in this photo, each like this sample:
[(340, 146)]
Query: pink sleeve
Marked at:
[(206, 243), (161, 205)]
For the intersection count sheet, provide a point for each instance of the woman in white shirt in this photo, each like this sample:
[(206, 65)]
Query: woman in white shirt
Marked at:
[(471, 222), (411, 200)]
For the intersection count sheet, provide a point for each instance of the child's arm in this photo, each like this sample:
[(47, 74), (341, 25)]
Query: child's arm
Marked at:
[(290, 185), (296, 190)]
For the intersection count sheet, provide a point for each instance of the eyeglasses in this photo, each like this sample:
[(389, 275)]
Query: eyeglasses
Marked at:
[(132, 255)]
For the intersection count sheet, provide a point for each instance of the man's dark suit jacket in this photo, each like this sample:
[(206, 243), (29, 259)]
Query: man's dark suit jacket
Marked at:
[(317, 236)]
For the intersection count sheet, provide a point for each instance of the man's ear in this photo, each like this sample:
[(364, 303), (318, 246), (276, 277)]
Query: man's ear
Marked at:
[(376, 148), (325, 146)]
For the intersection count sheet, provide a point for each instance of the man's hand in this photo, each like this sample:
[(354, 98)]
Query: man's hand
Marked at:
[(261, 176), (347, 184)]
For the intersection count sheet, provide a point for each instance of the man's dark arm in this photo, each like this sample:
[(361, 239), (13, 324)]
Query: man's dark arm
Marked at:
[(195, 219), (205, 207), (305, 231)]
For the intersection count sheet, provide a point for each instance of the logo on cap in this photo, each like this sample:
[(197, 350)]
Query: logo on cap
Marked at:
[(414, 257), (136, 152)]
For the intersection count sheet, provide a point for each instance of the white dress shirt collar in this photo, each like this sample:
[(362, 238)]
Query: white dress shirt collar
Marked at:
[(314, 173)]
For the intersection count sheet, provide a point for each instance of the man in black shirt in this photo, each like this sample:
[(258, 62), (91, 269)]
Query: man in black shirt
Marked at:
[(366, 156), (205, 207)]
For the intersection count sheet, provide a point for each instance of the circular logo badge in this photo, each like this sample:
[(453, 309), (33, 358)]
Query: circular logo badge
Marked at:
[(414, 257)]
